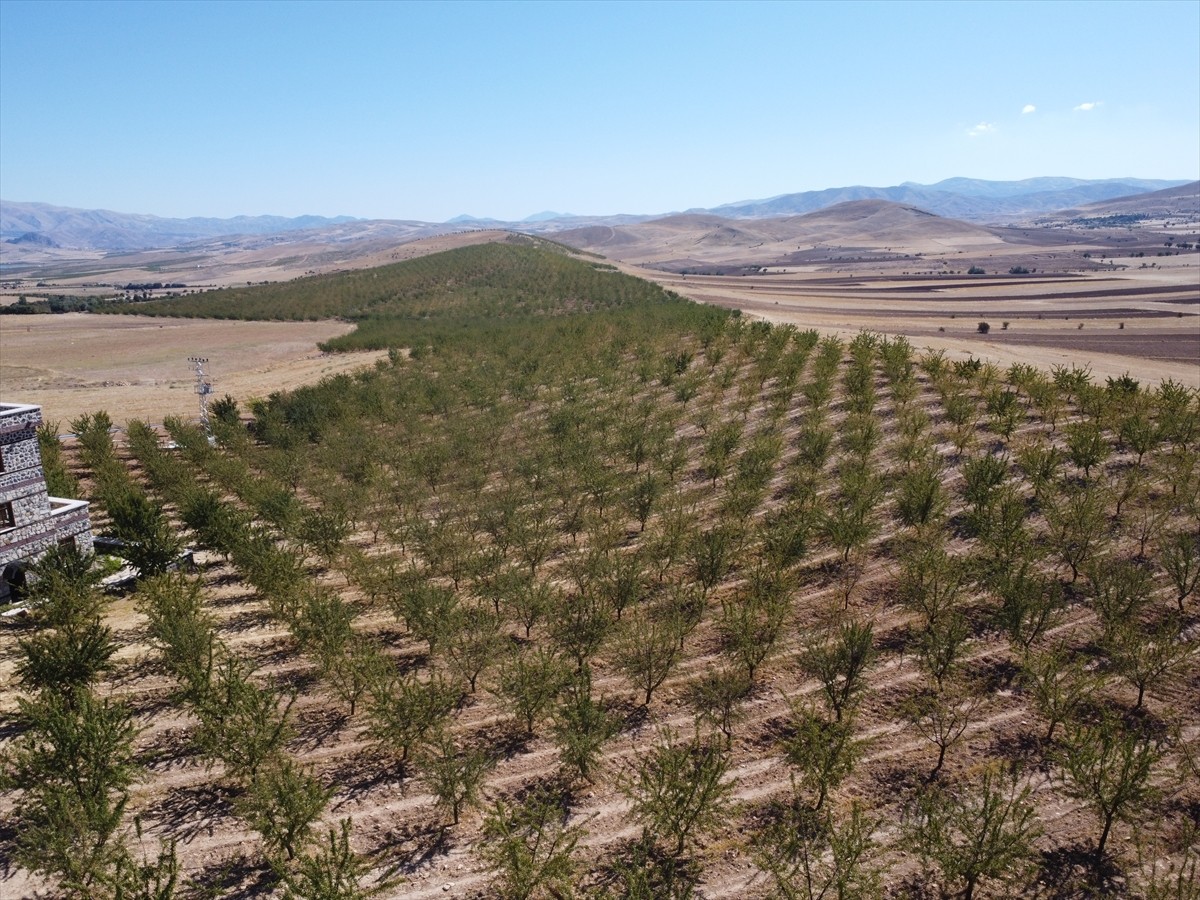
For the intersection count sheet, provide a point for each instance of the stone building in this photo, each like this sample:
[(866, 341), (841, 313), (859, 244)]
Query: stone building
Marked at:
[(31, 521)]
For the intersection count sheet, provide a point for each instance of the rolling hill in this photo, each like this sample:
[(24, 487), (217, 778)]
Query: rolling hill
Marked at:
[(858, 225)]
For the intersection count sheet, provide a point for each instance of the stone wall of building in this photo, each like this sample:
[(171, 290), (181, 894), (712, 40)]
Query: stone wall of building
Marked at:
[(39, 521)]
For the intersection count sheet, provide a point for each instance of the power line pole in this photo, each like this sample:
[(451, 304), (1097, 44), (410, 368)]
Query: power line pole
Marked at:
[(203, 389)]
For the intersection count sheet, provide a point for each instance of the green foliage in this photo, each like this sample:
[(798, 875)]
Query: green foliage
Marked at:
[(335, 872), (647, 652), (581, 726), (1108, 766), (529, 846), (241, 724), (530, 682), (63, 590), (282, 804), (920, 497), (716, 697), (678, 789), (59, 481), (979, 830), (151, 543), (824, 750), (506, 288), (812, 856), (66, 658), (73, 767), (454, 773), (180, 628), (841, 664), (403, 710)]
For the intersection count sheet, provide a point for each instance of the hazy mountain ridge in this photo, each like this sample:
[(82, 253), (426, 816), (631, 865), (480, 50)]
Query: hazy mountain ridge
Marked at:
[(27, 229), (87, 229), (962, 198), (1183, 200)]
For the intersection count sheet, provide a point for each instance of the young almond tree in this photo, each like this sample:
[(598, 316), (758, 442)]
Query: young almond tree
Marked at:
[(454, 773), (647, 651), (825, 751), (334, 872), (679, 789), (282, 805), (1179, 555), (1108, 767), (1145, 656), (716, 698), (73, 768), (979, 831), (581, 726), (529, 847), (1058, 684), (811, 856), (942, 718), (841, 664)]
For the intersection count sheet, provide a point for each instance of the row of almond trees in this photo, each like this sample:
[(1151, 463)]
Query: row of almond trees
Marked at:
[(620, 521)]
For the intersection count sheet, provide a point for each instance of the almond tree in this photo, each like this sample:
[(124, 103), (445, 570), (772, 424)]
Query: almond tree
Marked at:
[(403, 710), (581, 726), (825, 751), (812, 856), (752, 619), (282, 804), (1108, 767), (454, 773), (942, 718), (1077, 526), (646, 653), (1179, 556), (678, 789), (1058, 684), (529, 847), (978, 831), (73, 767), (334, 872), (1145, 656), (530, 682), (1031, 604), (840, 664), (716, 698)]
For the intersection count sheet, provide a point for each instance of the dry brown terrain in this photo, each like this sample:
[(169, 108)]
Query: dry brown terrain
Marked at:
[(137, 367), (1144, 322), (277, 258)]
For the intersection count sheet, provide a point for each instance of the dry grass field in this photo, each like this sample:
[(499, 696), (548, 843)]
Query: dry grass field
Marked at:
[(1146, 324), (137, 368)]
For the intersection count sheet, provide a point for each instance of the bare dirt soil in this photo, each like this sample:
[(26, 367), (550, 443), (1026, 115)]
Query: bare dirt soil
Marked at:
[(137, 367), (1142, 322)]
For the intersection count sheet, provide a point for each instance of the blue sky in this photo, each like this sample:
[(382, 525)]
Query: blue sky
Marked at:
[(426, 111)]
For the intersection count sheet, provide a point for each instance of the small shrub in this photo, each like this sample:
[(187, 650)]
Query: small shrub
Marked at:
[(983, 328)]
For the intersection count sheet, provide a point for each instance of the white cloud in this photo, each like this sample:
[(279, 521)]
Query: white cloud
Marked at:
[(981, 128), (1087, 107), (1028, 108)]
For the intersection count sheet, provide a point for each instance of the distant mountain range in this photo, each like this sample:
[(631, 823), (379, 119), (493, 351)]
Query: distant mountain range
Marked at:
[(31, 228), (971, 199), (102, 229)]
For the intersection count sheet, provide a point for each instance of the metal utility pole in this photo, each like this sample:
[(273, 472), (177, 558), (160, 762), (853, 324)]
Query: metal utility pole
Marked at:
[(203, 389)]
